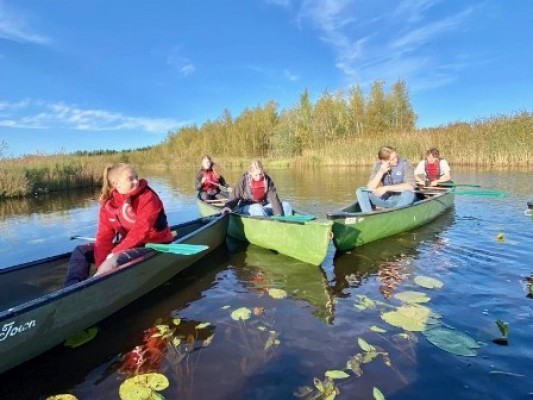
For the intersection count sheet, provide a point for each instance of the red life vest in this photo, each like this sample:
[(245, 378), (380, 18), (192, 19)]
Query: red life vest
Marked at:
[(210, 181), (258, 190), (433, 170)]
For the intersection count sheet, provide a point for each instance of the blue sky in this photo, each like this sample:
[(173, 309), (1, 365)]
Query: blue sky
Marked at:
[(100, 74)]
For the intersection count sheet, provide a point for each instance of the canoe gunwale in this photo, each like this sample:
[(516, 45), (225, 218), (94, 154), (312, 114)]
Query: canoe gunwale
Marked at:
[(66, 291)]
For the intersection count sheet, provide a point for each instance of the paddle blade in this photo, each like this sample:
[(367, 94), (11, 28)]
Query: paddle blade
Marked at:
[(294, 218), (483, 193), (177, 248)]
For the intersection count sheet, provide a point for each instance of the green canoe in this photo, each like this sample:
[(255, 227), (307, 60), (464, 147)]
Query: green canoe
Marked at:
[(352, 228), (295, 236), (38, 313)]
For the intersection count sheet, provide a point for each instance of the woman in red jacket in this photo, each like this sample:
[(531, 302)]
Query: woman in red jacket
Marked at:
[(131, 215)]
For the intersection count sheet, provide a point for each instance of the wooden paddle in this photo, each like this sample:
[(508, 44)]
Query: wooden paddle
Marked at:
[(451, 184), (486, 193)]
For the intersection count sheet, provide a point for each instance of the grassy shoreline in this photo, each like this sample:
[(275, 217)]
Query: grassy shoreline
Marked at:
[(503, 142)]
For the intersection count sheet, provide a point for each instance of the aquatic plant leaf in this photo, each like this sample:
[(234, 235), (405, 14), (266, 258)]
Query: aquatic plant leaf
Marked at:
[(277, 293), (261, 328), (365, 302), (208, 341), (202, 325), (377, 394), (452, 341), (503, 327), (375, 328), (81, 337), (364, 345), (369, 356), (176, 321), (62, 397), (354, 364), (412, 297), (131, 391), (225, 307), (336, 374), (241, 313), (410, 317), (152, 381), (176, 341), (427, 282)]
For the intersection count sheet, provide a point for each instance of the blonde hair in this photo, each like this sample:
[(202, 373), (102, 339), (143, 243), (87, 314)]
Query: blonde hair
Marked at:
[(111, 172), (256, 165)]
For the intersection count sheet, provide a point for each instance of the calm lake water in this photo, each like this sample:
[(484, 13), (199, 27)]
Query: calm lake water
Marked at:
[(288, 343)]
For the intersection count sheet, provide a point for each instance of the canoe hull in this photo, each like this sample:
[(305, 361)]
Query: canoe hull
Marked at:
[(36, 325), (306, 241), (353, 229)]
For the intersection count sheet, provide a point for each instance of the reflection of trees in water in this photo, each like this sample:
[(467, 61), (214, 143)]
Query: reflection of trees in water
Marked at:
[(50, 202), (389, 259)]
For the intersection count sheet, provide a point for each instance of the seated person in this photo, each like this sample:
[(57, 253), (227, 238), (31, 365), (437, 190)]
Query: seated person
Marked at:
[(129, 209), (432, 170), (209, 181), (391, 183), (255, 194)]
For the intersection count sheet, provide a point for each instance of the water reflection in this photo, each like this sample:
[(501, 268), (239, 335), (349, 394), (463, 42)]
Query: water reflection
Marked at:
[(261, 269), (390, 259)]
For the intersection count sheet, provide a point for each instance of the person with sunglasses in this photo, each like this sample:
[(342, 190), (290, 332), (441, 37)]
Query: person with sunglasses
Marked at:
[(391, 182), (255, 194)]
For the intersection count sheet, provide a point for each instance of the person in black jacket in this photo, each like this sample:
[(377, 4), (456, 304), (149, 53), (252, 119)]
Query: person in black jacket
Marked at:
[(209, 180)]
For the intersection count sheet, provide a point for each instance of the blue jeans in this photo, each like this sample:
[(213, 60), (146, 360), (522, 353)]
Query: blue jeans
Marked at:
[(367, 199), (257, 210)]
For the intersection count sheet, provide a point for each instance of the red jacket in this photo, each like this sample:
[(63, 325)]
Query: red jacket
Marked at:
[(138, 217)]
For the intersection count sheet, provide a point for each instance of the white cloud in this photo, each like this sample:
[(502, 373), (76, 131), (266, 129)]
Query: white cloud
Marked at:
[(374, 41), (184, 66), (290, 76), (15, 28), (40, 115)]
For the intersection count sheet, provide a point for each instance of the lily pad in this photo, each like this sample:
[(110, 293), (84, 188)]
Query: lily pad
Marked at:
[(337, 374), (81, 337), (143, 387), (375, 328), (410, 317), (412, 297), (62, 397), (377, 394), (427, 282), (277, 293), (452, 341), (202, 325), (241, 313)]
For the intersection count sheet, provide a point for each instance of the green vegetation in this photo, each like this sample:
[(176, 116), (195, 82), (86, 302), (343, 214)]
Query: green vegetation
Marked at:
[(338, 129)]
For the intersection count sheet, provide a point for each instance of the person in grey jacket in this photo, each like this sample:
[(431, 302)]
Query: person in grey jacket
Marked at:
[(391, 183), (255, 194)]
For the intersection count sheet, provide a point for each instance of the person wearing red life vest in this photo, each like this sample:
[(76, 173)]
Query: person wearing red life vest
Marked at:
[(255, 194), (432, 170), (209, 181), (131, 214)]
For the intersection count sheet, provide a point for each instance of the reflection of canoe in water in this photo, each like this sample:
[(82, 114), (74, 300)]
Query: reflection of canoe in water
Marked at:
[(37, 313), (530, 209), (352, 228), (300, 280), (305, 240)]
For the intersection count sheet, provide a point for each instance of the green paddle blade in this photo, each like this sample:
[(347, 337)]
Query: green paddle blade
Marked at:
[(177, 248), (294, 218), (483, 193)]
